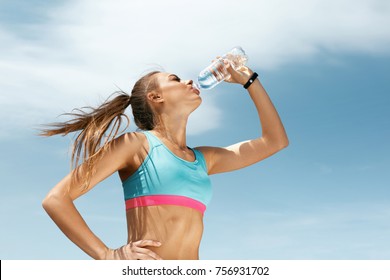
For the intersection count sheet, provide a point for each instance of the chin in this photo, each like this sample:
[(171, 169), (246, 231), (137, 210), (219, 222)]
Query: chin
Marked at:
[(197, 104)]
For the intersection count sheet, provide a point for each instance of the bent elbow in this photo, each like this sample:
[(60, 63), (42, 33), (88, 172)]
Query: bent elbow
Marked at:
[(47, 202), (284, 144), (280, 145), (276, 143), (50, 201)]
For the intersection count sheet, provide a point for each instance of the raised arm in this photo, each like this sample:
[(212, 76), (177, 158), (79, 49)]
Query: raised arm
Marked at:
[(272, 136), (59, 204)]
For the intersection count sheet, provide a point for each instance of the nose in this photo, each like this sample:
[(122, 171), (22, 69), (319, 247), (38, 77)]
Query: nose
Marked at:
[(189, 82)]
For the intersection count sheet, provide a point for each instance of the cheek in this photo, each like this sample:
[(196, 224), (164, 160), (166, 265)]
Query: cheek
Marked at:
[(176, 95)]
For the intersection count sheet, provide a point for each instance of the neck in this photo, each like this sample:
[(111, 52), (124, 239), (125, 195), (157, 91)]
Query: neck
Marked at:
[(173, 128)]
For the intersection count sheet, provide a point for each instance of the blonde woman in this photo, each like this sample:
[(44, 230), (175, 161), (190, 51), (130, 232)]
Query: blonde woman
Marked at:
[(166, 183)]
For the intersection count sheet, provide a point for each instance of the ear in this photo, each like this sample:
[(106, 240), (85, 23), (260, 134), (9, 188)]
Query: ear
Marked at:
[(155, 97)]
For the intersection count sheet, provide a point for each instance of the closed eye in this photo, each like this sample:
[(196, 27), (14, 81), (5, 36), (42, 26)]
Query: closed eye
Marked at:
[(175, 78)]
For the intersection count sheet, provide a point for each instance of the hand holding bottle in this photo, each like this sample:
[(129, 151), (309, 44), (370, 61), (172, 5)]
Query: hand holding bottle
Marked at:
[(237, 76), (218, 72)]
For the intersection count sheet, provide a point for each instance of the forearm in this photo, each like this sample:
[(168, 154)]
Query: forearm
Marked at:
[(64, 213), (272, 129)]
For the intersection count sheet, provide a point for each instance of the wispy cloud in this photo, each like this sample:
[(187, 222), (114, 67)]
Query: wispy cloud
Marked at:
[(80, 49), (337, 231)]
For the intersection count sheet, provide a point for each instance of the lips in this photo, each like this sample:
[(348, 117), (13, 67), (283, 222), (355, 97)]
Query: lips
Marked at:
[(195, 88), (196, 91)]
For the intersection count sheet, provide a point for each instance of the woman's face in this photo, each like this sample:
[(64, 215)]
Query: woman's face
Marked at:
[(177, 93)]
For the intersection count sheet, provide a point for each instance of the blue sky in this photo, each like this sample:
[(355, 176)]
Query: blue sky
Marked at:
[(325, 66)]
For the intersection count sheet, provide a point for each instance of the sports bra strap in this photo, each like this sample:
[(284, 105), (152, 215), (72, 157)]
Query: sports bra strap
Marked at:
[(152, 140)]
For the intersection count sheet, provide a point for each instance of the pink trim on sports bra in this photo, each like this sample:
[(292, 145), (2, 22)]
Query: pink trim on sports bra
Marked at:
[(153, 200)]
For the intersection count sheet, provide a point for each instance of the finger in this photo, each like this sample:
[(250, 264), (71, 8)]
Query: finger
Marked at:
[(233, 72), (227, 63), (147, 242), (217, 58), (141, 256), (147, 252)]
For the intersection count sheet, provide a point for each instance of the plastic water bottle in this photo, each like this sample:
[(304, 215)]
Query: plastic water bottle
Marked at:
[(217, 72)]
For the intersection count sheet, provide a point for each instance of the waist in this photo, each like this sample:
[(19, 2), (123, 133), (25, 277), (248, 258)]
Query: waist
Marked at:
[(179, 229)]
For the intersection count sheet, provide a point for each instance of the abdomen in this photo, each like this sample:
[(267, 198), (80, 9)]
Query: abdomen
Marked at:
[(179, 229)]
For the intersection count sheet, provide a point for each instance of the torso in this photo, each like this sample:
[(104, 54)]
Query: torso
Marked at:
[(178, 228)]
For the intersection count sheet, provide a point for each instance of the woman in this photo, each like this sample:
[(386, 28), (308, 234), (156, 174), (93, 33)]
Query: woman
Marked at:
[(166, 184)]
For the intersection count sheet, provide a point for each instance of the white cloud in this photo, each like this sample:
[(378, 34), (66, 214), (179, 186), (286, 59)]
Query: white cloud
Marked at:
[(88, 46)]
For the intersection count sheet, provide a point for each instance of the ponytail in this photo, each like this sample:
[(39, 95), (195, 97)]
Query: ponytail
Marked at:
[(97, 127)]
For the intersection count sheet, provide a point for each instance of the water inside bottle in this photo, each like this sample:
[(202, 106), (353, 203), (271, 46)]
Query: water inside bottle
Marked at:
[(212, 75), (206, 80)]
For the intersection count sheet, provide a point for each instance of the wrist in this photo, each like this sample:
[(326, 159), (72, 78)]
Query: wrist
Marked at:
[(104, 254), (250, 81)]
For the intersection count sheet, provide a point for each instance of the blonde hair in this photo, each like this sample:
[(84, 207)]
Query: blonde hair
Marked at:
[(98, 126)]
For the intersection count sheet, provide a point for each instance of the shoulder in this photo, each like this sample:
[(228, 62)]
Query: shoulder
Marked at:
[(127, 144), (126, 151), (134, 138)]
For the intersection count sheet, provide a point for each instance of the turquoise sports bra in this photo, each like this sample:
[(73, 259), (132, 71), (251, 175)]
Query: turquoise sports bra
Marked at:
[(165, 179)]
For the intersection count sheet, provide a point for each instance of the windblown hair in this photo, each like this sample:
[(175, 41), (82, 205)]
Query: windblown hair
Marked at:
[(96, 127)]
